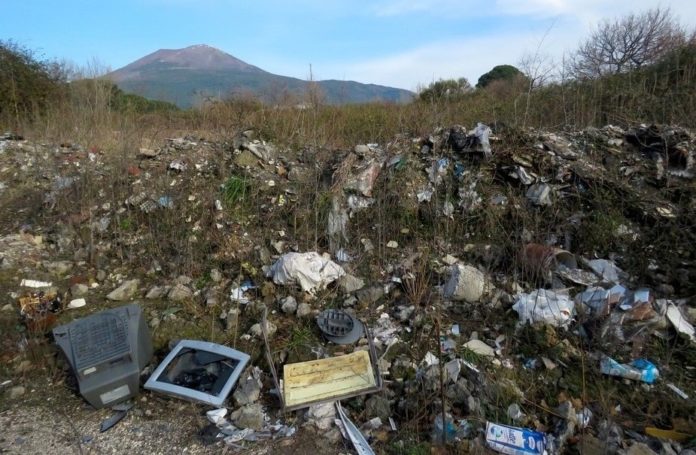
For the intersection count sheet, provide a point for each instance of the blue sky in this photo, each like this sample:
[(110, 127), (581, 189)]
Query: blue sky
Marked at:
[(401, 43)]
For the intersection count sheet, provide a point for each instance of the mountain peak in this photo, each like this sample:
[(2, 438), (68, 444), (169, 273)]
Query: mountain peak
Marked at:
[(200, 57), (189, 75)]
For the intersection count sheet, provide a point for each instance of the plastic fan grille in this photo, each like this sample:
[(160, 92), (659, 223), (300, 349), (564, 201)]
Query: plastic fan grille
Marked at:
[(98, 339), (335, 323)]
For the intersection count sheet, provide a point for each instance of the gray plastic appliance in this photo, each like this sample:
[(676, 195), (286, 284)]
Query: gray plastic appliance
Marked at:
[(107, 351)]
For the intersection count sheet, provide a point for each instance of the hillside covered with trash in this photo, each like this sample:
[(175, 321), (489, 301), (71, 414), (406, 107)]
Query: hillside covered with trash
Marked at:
[(474, 290)]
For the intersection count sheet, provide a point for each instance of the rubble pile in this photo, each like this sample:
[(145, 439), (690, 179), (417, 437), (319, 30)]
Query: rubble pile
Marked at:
[(523, 291)]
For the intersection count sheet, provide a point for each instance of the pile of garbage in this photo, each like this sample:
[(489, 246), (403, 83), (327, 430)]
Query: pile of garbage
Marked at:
[(524, 291)]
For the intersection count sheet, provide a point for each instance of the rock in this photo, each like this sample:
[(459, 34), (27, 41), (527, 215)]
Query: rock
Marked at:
[(79, 290), (321, 415), (289, 305), (16, 392), (349, 283), (77, 303), (256, 331), (248, 390), (125, 291), (361, 149), (248, 416), (392, 244), (183, 279), (147, 153), (101, 275), (156, 292), (303, 310), (465, 283), (539, 194), (640, 448), (59, 267), (480, 348), (7, 308), (378, 406), (179, 292), (370, 295), (216, 275), (211, 297), (404, 313)]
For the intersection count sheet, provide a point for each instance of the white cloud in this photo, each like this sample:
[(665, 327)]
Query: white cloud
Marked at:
[(471, 57), (467, 57)]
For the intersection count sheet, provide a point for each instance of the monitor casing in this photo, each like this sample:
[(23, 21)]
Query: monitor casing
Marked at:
[(107, 351), (241, 359)]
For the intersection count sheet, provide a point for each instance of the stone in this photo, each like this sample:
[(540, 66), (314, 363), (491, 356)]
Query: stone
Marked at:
[(179, 293), (125, 291), (640, 448), (349, 283), (370, 295), (256, 331), (465, 283), (248, 390), (8, 308), (321, 415), (211, 297), (539, 194), (183, 279), (156, 292), (248, 416), (378, 406), (79, 290), (289, 305), (77, 303), (361, 149), (404, 312), (16, 392), (304, 310), (216, 275), (147, 153), (480, 348), (392, 244), (59, 267)]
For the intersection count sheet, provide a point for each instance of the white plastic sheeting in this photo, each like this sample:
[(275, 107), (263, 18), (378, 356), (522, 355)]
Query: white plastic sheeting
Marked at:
[(544, 306), (311, 271)]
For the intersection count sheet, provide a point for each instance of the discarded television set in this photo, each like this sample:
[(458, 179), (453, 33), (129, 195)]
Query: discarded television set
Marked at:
[(199, 371), (107, 351)]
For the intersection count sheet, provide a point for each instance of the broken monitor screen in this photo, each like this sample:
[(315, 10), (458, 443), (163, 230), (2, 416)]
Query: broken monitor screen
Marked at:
[(199, 371)]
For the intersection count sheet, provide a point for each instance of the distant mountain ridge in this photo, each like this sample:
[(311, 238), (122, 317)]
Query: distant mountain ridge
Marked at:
[(190, 75)]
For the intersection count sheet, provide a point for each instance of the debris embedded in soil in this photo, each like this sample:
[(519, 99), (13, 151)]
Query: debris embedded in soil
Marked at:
[(563, 249)]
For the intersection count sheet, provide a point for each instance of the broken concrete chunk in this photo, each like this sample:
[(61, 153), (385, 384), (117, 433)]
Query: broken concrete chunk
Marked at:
[(289, 305), (480, 348), (256, 330), (179, 292), (539, 194), (350, 283), (125, 291), (465, 283), (249, 416)]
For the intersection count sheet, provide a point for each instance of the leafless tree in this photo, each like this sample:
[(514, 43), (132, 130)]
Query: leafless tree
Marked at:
[(628, 43)]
